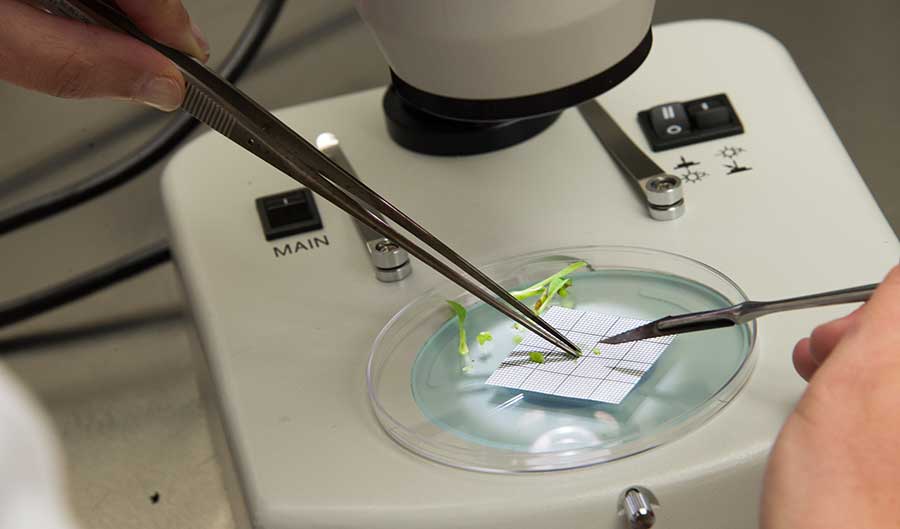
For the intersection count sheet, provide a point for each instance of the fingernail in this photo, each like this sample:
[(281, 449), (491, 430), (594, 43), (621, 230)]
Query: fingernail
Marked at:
[(201, 40), (162, 93)]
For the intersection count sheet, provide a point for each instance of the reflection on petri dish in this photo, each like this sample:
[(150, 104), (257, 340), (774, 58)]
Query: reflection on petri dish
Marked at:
[(449, 415)]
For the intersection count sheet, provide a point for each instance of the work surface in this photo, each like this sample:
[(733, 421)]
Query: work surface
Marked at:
[(115, 370)]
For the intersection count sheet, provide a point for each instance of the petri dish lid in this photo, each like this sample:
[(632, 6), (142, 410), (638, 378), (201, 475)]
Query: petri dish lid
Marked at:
[(428, 403)]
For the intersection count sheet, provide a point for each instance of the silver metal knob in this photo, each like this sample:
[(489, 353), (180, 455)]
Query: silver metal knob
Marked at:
[(665, 197), (391, 262), (636, 507), (664, 190), (386, 254)]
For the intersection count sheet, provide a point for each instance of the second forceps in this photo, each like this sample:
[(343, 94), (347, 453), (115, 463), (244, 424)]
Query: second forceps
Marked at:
[(738, 314), (224, 108)]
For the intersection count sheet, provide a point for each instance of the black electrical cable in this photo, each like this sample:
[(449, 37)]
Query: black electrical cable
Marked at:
[(35, 303), (135, 163), (24, 307)]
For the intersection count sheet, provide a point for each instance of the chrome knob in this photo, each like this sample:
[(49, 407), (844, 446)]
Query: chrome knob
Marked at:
[(636, 506), (391, 262), (665, 197)]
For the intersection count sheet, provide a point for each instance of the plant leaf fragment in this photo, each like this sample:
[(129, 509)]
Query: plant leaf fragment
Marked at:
[(536, 357), (460, 312)]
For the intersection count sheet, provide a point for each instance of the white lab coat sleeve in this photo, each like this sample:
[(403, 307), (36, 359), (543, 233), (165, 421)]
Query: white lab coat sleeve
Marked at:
[(32, 480)]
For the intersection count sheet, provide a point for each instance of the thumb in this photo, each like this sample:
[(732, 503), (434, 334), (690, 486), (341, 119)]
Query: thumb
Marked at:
[(868, 351)]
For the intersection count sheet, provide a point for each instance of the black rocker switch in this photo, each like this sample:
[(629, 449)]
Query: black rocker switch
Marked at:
[(670, 120), (709, 114), (673, 125), (288, 213)]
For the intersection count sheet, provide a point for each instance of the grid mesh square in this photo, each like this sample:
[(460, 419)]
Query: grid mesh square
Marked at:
[(606, 377)]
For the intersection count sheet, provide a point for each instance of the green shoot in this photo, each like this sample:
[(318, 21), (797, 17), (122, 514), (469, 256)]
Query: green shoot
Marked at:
[(460, 312), (597, 351), (538, 288), (530, 292), (547, 289), (536, 357), (555, 286)]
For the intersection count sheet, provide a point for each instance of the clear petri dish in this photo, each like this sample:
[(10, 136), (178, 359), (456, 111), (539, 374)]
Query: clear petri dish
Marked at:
[(428, 403)]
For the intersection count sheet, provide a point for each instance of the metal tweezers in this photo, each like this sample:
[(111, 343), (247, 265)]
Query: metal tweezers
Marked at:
[(217, 103), (738, 314)]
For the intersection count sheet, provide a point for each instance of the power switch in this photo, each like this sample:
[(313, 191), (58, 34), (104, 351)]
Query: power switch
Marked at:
[(709, 114), (288, 213), (676, 124), (670, 120)]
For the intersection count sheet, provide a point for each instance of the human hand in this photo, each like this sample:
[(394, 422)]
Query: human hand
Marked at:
[(66, 58), (836, 462)]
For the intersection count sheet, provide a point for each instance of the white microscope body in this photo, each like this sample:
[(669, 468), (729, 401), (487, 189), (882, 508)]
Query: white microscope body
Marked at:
[(287, 325)]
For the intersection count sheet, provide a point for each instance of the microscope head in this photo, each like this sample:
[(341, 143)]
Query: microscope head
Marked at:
[(490, 60)]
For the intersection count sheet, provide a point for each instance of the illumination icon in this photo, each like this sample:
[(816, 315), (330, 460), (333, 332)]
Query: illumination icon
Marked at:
[(730, 152), (692, 176)]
